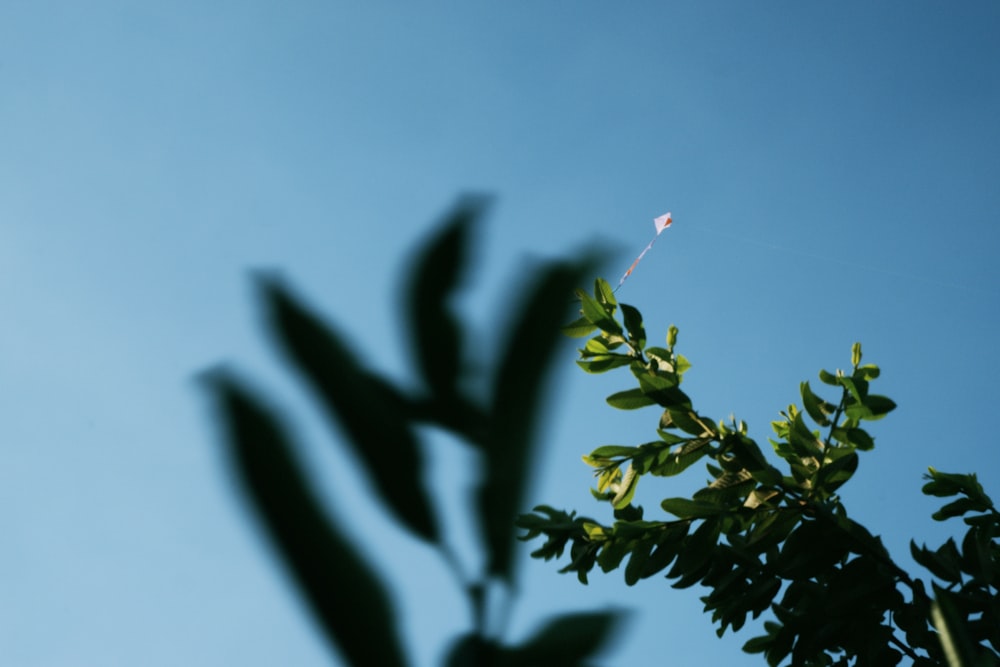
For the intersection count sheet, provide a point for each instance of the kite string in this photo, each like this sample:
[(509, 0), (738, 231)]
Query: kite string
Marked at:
[(635, 263)]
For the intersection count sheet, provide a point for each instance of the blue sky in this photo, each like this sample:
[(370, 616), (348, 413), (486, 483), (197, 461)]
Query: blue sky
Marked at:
[(833, 173)]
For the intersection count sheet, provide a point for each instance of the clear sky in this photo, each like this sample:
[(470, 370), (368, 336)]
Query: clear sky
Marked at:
[(834, 175)]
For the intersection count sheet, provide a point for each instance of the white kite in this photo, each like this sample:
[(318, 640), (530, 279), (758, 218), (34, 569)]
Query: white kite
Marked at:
[(661, 223)]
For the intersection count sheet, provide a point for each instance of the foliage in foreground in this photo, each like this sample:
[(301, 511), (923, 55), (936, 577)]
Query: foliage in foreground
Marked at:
[(760, 537), (347, 597)]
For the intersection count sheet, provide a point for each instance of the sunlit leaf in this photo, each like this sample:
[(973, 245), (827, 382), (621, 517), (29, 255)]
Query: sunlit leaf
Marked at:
[(579, 328), (630, 399), (597, 315), (627, 489)]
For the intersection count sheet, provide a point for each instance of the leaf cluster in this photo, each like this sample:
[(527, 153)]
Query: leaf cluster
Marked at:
[(771, 538), (383, 424)]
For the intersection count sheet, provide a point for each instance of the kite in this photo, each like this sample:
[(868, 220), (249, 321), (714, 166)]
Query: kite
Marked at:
[(661, 223)]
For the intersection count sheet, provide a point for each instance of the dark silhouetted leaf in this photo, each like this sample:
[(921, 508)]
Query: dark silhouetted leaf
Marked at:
[(633, 324), (437, 273), (530, 349), (566, 641), (345, 595), (691, 509), (371, 414)]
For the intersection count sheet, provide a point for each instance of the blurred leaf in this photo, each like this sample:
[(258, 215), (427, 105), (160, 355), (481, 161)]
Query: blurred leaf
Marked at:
[(345, 595), (437, 273), (473, 650), (959, 650), (371, 414), (517, 393), (565, 641)]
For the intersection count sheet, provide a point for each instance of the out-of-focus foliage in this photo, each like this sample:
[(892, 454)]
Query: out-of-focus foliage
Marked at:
[(776, 539), (347, 597)]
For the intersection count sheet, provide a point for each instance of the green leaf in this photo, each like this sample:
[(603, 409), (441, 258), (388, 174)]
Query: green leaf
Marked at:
[(695, 555), (835, 473), (435, 276), (579, 328), (950, 484), (598, 315), (637, 561), (945, 563), (958, 508), (527, 356), (749, 455), (673, 462), (604, 363), (879, 406), (805, 442), (685, 508), (370, 412), (817, 408), (660, 354), (604, 294), (689, 422), (633, 323), (855, 437), (829, 378), (609, 451), (867, 372), (346, 597), (727, 488), (630, 399), (626, 490), (682, 364)]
